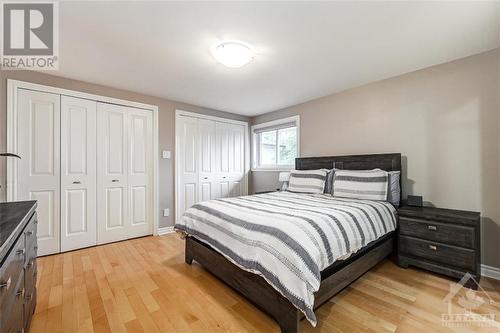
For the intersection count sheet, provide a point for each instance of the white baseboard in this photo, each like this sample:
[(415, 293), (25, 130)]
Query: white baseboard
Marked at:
[(490, 271), (165, 230)]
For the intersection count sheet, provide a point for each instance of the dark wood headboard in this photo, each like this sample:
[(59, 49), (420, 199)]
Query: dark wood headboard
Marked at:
[(387, 162)]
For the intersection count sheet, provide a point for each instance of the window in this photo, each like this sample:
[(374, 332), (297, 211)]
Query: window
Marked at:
[(276, 144)]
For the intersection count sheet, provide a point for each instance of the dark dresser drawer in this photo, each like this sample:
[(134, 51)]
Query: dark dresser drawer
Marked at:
[(13, 308), (437, 252), (12, 269), (451, 234)]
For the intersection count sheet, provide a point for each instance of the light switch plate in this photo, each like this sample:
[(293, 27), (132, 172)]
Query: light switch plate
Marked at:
[(166, 212), (166, 154)]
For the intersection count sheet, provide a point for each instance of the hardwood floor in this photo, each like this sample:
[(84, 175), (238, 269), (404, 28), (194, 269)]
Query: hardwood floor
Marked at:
[(143, 285)]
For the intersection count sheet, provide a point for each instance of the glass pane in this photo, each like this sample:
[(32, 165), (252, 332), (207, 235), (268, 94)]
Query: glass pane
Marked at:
[(287, 143), (268, 148)]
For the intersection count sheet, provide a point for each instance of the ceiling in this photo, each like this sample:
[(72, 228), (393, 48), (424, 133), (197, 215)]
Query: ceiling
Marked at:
[(305, 50)]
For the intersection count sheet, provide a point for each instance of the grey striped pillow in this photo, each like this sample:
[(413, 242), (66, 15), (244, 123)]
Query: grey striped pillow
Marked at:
[(360, 184), (307, 181)]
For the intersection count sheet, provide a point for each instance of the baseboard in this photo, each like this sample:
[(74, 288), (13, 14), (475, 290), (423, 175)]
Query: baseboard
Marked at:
[(165, 230), (490, 271)]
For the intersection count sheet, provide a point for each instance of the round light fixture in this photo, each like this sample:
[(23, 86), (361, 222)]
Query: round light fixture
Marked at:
[(233, 54)]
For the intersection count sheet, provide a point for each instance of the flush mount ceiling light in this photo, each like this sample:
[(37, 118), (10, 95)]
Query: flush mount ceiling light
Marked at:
[(233, 54)]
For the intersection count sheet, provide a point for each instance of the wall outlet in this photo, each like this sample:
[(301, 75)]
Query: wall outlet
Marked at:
[(166, 212), (166, 154)]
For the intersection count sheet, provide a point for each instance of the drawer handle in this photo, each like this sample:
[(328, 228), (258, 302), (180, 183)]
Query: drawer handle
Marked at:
[(6, 284), (432, 227), (77, 182), (433, 247), (115, 180), (20, 292), (29, 297), (205, 177), (21, 251), (29, 233)]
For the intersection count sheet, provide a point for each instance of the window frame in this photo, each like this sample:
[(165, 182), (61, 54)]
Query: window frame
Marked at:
[(256, 152)]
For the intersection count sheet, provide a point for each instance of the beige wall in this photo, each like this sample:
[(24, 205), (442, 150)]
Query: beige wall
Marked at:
[(166, 126), (445, 120)]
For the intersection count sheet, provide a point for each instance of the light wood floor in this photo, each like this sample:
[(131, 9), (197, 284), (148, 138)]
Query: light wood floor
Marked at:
[(143, 285)]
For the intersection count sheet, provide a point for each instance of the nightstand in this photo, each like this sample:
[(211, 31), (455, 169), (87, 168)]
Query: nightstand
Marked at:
[(444, 241)]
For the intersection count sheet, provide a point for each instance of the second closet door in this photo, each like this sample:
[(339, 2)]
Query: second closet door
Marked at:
[(124, 173), (112, 169), (78, 173)]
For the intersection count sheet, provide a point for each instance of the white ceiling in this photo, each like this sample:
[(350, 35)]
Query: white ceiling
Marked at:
[(305, 50)]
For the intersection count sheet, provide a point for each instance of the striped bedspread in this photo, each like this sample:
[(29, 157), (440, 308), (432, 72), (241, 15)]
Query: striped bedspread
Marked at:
[(288, 238)]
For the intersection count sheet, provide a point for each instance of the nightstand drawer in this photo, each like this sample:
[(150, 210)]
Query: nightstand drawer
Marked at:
[(438, 232), (437, 252)]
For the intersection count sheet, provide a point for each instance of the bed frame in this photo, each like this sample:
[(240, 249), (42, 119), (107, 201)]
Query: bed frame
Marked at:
[(333, 279)]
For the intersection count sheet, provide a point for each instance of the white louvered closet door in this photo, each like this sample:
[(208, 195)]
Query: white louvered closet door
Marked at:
[(38, 171), (78, 173)]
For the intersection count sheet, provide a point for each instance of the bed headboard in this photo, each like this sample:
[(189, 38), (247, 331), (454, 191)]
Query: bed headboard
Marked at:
[(387, 162)]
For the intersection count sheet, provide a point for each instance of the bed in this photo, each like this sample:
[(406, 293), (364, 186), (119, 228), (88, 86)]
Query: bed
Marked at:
[(318, 244)]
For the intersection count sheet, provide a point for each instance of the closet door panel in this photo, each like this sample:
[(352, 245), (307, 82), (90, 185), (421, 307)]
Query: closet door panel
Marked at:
[(208, 160), (115, 208), (78, 173), (38, 172), (112, 170), (140, 172), (187, 156), (222, 147)]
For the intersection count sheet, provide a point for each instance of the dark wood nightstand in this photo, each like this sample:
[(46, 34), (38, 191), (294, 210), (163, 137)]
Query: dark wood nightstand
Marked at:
[(444, 241)]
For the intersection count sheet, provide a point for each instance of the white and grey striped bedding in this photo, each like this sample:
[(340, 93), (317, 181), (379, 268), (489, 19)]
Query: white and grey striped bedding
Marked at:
[(360, 184), (307, 181), (288, 238)]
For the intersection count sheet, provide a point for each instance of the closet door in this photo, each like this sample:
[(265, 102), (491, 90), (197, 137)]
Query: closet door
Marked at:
[(112, 171), (78, 173), (236, 159), (140, 174), (222, 157), (208, 188), (230, 157), (187, 162), (38, 172)]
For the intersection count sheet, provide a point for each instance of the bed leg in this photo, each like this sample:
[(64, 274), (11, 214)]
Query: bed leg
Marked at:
[(289, 323), (188, 254)]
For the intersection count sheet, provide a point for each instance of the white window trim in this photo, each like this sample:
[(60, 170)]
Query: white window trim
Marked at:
[(295, 119)]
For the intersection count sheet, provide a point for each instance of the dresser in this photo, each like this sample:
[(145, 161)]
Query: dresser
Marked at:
[(18, 270), (444, 241)]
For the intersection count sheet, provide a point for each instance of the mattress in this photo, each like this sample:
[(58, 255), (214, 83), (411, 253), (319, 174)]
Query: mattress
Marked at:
[(289, 238)]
